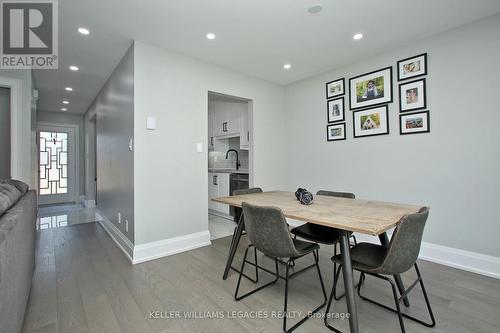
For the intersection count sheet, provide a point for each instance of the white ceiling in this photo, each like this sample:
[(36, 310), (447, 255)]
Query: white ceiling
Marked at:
[(254, 37)]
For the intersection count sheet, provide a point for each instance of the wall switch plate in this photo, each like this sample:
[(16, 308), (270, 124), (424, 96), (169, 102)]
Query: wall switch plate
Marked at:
[(119, 218), (151, 123), (126, 225), (199, 147), (131, 144)]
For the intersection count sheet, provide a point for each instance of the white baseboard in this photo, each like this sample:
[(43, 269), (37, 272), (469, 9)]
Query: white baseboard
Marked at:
[(116, 235), (167, 247), (465, 260), (154, 250)]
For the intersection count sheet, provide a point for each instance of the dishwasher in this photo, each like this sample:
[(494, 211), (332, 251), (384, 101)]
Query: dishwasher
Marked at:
[(237, 181)]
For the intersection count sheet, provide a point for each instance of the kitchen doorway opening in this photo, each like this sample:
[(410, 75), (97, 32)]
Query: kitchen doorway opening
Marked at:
[(230, 157)]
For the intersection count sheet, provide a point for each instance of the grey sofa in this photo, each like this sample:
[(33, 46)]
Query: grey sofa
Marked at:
[(18, 211)]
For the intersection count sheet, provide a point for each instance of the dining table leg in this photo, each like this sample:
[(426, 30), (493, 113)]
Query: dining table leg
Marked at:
[(234, 246), (384, 240), (349, 281)]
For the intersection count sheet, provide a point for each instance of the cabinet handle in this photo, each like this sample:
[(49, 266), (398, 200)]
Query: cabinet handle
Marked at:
[(215, 180), (211, 140), (248, 136)]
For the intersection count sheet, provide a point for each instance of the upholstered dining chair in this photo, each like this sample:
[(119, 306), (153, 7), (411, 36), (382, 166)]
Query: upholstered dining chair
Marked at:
[(268, 232), (382, 262), (324, 235), (239, 218)]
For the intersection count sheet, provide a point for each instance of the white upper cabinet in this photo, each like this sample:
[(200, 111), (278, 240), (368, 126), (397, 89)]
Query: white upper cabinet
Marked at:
[(227, 123), (244, 131)]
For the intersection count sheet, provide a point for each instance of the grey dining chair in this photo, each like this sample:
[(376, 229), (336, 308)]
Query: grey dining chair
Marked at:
[(398, 257), (324, 235), (268, 232), (240, 219)]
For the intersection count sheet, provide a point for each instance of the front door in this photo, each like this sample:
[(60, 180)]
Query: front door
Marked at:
[(57, 167)]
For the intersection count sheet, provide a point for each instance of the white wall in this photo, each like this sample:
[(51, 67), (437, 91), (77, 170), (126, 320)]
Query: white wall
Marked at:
[(170, 177), (70, 119), (23, 142), (454, 169)]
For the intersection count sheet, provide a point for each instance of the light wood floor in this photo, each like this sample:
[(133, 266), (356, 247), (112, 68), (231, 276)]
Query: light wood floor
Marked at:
[(83, 283)]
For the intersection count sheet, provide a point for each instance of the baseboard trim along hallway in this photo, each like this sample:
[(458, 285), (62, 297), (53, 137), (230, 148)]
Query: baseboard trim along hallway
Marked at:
[(154, 250)]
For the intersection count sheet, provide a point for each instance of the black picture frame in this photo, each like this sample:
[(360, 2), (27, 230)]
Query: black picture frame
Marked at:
[(420, 74), (422, 106), (428, 122), (328, 132), (328, 110), (328, 96), (386, 101), (354, 114)]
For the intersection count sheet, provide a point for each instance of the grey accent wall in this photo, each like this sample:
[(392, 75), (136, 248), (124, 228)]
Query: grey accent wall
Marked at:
[(114, 107), (454, 169), (70, 119), (4, 133)]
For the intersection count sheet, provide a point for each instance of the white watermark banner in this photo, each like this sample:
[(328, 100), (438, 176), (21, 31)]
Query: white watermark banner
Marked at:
[(29, 34), (158, 314)]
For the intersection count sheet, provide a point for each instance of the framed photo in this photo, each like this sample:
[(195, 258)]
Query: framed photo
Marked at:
[(335, 132), (335, 109), (412, 67), (413, 123), (371, 122), (371, 89), (335, 88), (412, 96)]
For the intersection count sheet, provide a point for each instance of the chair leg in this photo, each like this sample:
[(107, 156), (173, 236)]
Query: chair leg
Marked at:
[(238, 298), (335, 278), (399, 299), (398, 308), (332, 296), (256, 265), (311, 313), (355, 240), (427, 302)]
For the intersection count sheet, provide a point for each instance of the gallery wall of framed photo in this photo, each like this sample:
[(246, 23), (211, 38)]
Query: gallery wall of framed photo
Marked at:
[(370, 95)]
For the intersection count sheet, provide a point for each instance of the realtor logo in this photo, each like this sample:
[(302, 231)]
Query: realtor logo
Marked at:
[(29, 36)]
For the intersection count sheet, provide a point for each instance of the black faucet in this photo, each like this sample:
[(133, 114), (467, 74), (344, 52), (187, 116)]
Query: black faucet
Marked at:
[(237, 158)]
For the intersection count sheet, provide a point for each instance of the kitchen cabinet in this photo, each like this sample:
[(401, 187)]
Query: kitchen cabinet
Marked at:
[(227, 123), (218, 186), (244, 131)]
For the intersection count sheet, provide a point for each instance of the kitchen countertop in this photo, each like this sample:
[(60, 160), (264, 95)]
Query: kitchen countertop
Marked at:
[(240, 171)]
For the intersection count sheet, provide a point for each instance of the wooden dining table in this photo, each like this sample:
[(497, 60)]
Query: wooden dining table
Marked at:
[(347, 215)]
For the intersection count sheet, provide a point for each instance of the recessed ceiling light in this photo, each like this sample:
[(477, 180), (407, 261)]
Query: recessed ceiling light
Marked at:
[(210, 36), (357, 36), (287, 66), (73, 68), (315, 9), (64, 109), (83, 31), (68, 89), (65, 102)]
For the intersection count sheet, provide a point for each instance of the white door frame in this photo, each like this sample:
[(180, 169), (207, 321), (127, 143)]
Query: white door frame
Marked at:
[(15, 86), (76, 156)]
